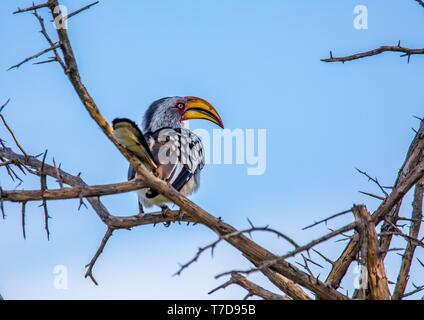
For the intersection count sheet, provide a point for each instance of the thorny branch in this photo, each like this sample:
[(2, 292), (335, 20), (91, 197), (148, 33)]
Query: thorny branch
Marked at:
[(375, 180), (272, 262), (81, 10), (70, 193), (43, 181), (32, 8), (43, 31), (90, 266), (406, 52), (417, 289), (327, 219), (213, 245), (35, 56), (416, 218), (13, 134)]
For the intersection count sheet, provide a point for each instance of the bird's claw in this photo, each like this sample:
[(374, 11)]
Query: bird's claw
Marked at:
[(140, 209), (165, 213)]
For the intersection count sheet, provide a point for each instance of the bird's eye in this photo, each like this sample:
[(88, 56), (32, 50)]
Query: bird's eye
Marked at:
[(180, 105)]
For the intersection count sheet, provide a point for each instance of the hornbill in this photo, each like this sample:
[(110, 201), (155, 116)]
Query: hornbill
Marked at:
[(172, 152)]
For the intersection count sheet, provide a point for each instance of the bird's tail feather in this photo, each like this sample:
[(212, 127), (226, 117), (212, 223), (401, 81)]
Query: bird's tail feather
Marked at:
[(128, 134)]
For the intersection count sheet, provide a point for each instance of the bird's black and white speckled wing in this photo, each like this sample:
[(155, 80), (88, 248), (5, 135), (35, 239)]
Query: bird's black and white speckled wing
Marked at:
[(179, 155)]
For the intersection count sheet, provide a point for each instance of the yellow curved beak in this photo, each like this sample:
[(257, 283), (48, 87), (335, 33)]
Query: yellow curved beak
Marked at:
[(198, 108)]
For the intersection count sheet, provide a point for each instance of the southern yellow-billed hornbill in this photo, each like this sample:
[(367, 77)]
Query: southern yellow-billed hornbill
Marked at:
[(172, 152)]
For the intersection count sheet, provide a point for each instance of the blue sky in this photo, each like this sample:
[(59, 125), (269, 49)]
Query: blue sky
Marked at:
[(259, 63)]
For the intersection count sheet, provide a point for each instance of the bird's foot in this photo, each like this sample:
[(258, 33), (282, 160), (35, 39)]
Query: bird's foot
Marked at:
[(140, 209), (165, 213)]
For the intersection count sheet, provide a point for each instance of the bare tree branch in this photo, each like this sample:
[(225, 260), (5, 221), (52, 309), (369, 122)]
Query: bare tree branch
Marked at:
[(81, 10), (386, 239), (32, 8), (252, 288), (327, 219), (405, 52), (285, 285), (272, 262), (4, 105), (78, 184), (213, 245), (375, 180), (13, 135), (372, 195), (43, 31), (417, 290), (90, 266), (71, 193), (43, 181), (35, 56), (408, 256)]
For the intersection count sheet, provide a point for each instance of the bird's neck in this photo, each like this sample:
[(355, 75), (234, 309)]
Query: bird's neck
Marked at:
[(164, 122)]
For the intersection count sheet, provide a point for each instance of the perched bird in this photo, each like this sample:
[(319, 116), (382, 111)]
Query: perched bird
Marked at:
[(172, 152)]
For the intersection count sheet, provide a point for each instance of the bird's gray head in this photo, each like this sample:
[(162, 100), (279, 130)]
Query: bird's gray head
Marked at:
[(173, 111)]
